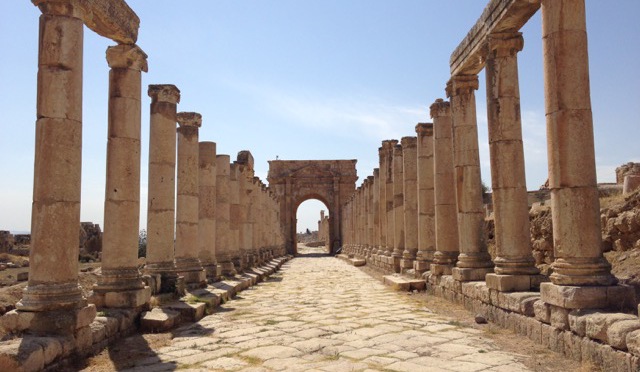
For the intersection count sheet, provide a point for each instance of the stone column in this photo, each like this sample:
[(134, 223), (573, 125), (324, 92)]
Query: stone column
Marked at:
[(187, 248), (388, 153), (474, 261), (55, 217), (572, 173), (446, 237), (382, 200), (369, 197), (161, 194), (120, 284), (398, 207), (207, 209), (410, 205), (375, 191), (234, 216), (426, 207), (514, 263), (256, 216), (223, 210)]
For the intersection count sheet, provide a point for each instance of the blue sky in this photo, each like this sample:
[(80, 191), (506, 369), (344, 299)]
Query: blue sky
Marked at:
[(307, 79)]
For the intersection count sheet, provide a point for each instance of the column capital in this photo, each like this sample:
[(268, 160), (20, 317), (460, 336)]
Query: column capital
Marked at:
[(68, 8), (376, 172), (128, 56), (462, 84), (164, 93), (505, 44), (370, 179), (397, 150), (424, 129), (409, 142), (189, 119), (440, 108), (388, 145)]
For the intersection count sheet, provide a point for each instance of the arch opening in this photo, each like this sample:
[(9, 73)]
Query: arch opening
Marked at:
[(313, 228)]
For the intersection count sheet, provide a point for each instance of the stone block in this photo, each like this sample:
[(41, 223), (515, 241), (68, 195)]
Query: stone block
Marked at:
[(98, 332), (534, 330), (438, 270), (514, 301), (159, 320), (51, 348), (598, 324), (396, 282), (573, 297), (618, 331), (21, 355), (578, 320), (469, 274), (508, 283), (358, 262), (621, 297), (559, 318), (84, 340), (191, 312), (633, 342), (545, 335), (127, 299), (21, 277), (542, 311), (572, 346)]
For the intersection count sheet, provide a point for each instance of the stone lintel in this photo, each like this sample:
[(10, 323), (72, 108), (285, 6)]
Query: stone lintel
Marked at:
[(164, 93), (128, 56), (588, 297), (189, 119), (113, 19), (498, 16)]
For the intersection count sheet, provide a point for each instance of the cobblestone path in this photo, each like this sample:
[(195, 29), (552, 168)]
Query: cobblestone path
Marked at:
[(320, 314)]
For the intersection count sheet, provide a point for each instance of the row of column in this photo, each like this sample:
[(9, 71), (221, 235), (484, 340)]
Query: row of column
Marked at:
[(223, 216), (449, 187)]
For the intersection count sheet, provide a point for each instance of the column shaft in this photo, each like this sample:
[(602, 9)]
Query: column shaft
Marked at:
[(207, 208), (161, 194), (55, 216), (382, 200), (398, 207), (410, 204), (446, 234), (223, 251), (426, 207), (120, 284), (570, 143), (508, 181), (474, 261), (187, 248)]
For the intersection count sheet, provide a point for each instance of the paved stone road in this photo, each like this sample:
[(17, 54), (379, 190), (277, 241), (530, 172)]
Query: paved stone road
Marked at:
[(320, 314)]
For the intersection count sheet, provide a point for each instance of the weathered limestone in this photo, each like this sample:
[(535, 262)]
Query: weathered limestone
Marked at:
[(387, 148), (446, 232), (119, 283), (112, 19), (53, 275), (410, 204), (370, 227), (426, 207), (514, 261), (474, 261), (398, 207), (223, 210), (376, 212), (187, 210), (245, 164), (162, 169), (572, 174), (382, 201), (234, 216), (207, 208)]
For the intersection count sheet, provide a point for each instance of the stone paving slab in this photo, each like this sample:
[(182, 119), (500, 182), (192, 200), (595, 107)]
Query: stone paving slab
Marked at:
[(322, 314)]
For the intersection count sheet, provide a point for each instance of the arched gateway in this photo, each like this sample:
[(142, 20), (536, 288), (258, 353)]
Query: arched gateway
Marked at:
[(295, 181)]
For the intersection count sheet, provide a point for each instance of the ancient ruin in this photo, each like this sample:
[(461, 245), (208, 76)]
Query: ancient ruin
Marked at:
[(215, 229)]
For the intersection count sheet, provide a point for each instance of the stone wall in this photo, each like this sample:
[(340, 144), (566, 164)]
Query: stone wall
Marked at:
[(6, 241)]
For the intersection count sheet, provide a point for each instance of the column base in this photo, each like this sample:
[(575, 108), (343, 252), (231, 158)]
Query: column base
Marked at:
[(464, 274), (441, 269), (197, 278), (513, 283), (619, 297), (59, 322), (170, 281), (121, 299), (52, 297), (425, 255), (227, 268), (406, 264), (420, 266)]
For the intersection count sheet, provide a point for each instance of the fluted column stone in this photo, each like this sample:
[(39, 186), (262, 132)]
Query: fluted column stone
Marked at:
[(426, 206)]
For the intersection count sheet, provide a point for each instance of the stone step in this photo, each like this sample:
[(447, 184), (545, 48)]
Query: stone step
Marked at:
[(159, 320), (404, 284), (190, 312), (358, 261), (212, 300)]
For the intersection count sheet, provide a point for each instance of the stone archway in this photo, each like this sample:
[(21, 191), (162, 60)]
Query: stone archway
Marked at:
[(295, 181)]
